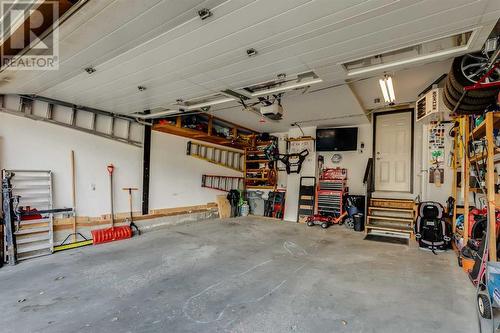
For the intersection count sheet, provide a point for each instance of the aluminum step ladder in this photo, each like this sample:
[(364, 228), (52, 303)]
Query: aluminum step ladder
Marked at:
[(307, 198), (227, 158)]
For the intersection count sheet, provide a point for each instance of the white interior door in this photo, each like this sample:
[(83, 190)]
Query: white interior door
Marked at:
[(393, 152)]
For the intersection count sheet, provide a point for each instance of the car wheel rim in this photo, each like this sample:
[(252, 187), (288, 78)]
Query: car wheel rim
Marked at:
[(474, 66), (481, 305)]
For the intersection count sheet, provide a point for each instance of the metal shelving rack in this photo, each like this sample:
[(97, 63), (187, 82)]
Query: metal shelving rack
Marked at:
[(34, 237)]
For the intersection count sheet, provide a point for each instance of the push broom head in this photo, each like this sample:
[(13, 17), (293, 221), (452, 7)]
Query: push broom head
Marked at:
[(111, 234)]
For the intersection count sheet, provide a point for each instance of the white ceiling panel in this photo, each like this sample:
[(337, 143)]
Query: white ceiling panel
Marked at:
[(164, 46), (329, 107), (128, 32)]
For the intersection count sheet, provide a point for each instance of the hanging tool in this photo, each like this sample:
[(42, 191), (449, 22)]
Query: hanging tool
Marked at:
[(8, 219), (75, 243), (73, 193), (131, 217), (113, 233)]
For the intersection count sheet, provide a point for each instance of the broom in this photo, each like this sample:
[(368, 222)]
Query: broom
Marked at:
[(113, 233)]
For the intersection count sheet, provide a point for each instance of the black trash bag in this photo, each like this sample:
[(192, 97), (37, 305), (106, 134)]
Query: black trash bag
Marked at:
[(234, 198)]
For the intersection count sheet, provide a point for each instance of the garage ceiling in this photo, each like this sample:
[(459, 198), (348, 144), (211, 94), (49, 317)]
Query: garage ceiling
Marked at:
[(164, 46), (408, 83)]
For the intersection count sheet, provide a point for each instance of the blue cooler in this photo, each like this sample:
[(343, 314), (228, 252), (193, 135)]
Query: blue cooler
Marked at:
[(493, 282)]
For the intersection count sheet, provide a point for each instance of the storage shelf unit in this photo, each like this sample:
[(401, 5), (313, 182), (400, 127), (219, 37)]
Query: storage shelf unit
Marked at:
[(260, 171), (208, 130), (34, 236), (484, 131)]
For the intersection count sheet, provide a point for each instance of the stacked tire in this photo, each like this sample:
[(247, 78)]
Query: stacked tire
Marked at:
[(475, 101)]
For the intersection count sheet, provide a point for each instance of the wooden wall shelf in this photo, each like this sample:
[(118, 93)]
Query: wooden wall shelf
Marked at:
[(207, 131), (482, 131), (261, 174)]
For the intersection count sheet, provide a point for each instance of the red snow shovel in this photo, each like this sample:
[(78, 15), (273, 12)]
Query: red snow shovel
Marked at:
[(114, 233)]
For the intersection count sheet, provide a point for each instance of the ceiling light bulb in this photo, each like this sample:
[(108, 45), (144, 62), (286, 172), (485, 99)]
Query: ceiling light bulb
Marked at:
[(390, 87), (204, 13), (251, 52), (384, 90), (387, 87)]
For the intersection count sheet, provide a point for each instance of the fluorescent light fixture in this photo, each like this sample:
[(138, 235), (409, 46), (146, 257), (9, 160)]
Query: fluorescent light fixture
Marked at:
[(387, 89), (390, 87), (210, 103), (384, 90), (286, 87)]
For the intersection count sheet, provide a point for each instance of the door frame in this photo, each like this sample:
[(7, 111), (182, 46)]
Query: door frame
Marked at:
[(383, 113)]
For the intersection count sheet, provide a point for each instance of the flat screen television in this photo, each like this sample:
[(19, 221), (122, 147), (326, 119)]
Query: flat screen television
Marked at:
[(337, 139)]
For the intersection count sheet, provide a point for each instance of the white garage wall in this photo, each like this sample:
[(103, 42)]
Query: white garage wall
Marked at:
[(293, 180), (176, 177), (28, 144), (354, 161)]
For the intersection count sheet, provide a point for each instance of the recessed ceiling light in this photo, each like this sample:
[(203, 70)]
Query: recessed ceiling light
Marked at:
[(90, 70), (204, 13), (141, 88), (251, 52)]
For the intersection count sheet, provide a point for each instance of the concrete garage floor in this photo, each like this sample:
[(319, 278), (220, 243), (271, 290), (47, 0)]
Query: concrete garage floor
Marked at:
[(240, 275)]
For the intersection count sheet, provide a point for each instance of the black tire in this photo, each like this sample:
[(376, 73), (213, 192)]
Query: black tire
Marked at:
[(461, 110), (459, 81), (456, 95), (310, 224), (325, 225), (484, 306), (464, 105), (459, 258)]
